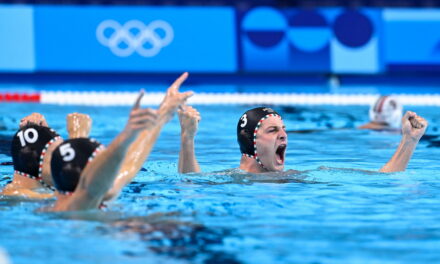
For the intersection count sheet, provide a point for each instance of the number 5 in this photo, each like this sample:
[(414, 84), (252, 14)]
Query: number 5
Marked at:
[(67, 152)]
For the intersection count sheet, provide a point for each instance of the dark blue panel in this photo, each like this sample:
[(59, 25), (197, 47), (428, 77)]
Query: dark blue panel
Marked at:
[(307, 18), (265, 38), (353, 29)]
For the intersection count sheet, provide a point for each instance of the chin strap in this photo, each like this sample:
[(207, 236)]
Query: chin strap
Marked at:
[(255, 158), (255, 138), (97, 150), (40, 165)]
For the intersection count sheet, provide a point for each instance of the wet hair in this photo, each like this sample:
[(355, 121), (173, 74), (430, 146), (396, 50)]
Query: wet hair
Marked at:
[(387, 109), (28, 148), (69, 160), (247, 128)]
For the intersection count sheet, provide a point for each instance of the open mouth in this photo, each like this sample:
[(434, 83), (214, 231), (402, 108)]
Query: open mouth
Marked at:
[(280, 153)]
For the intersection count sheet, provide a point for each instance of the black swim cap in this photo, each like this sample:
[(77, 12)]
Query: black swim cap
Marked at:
[(29, 145), (69, 160), (247, 128)]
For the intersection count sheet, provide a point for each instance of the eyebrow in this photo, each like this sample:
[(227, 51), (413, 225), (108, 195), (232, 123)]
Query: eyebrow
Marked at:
[(275, 126)]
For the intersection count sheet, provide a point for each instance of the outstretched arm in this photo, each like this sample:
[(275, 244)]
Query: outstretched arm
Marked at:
[(141, 148), (189, 120), (98, 176), (413, 128)]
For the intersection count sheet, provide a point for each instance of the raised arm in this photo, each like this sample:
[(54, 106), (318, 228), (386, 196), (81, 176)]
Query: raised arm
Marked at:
[(141, 148), (189, 120), (98, 176), (413, 128)]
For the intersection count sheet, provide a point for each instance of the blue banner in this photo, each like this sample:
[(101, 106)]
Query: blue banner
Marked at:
[(317, 40), (135, 39), (17, 42), (205, 39), (412, 38)]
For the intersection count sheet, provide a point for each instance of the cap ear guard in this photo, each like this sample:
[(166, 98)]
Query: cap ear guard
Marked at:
[(245, 135), (28, 148), (69, 160)]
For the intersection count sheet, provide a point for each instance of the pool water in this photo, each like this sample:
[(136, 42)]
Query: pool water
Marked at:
[(336, 210)]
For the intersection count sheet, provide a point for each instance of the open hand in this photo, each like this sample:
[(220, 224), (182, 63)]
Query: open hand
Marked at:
[(189, 119), (34, 118), (413, 126)]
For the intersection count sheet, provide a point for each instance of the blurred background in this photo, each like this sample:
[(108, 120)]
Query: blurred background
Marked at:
[(363, 46), (318, 62)]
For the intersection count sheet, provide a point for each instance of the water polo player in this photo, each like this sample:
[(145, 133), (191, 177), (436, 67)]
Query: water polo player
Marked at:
[(27, 182), (31, 151), (262, 139), (385, 114), (261, 136)]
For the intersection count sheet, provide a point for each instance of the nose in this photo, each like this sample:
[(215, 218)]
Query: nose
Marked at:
[(282, 135)]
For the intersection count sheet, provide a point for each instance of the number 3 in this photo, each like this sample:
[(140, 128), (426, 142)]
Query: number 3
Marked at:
[(67, 152), (244, 119)]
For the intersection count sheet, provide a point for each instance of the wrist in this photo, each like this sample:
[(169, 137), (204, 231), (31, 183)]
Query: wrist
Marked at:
[(164, 116), (165, 110), (78, 134), (410, 139), (186, 136)]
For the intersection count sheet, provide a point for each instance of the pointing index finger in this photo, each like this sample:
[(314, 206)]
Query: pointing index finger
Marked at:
[(178, 82), (138, 100)]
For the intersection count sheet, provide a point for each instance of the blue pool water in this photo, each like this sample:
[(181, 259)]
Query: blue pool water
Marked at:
[(331, 212)]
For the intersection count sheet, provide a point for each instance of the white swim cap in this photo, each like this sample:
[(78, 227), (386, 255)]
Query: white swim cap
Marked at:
[(387, 109)]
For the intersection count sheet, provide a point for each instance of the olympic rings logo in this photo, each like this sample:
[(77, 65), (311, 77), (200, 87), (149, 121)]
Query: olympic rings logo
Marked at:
[(135, 36)]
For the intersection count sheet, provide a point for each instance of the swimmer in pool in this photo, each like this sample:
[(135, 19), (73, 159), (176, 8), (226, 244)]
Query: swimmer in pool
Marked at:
[(32, 146), (84, 172), (263, 141), (31, 151), (385, 114), (79, 125)]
